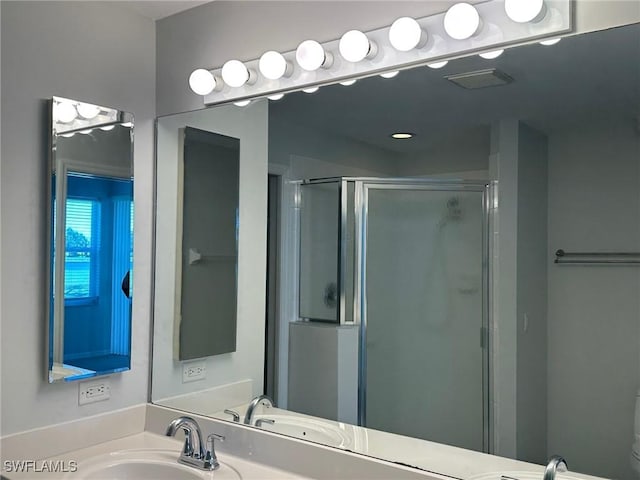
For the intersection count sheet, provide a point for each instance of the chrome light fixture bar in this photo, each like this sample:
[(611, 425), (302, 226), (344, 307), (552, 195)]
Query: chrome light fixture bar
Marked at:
[(497, 28)]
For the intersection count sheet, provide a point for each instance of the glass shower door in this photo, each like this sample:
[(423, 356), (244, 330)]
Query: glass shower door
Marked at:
[(423, 357)]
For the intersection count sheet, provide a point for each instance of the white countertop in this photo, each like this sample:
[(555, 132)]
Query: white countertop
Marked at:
[(147, 441)]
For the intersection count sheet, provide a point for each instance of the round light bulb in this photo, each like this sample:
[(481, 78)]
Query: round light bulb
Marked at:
[(235, 73), (88, 111), (273, 65), (277, 96), (348, 83), (86, 132), (492, 54), (127, 124), (202, 82), (107, 128), (462, 21), (355, 46), (523, 11), (242, 103), (548, 43), (310, 90), (311, 56), (437, 65), (406, 34), (390, 74), (66, 112), (68, 135)]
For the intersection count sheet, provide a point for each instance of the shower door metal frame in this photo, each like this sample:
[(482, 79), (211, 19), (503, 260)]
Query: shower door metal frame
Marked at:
[(342, 249), (362, 187)]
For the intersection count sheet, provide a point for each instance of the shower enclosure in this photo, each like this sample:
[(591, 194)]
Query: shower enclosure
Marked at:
[(407, 261)]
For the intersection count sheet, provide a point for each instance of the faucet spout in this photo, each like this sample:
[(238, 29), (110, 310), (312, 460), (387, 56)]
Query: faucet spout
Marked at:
[(556, 464), (248, 417), (193, 451)]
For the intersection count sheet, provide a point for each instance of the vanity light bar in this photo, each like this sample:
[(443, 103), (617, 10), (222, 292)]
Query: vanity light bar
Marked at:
[(464, 29)]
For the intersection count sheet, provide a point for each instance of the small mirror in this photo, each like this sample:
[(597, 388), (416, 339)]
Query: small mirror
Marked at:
[(208, 178), (90, 240)]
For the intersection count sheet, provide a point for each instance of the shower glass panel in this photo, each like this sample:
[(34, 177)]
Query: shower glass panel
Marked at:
[(319, 248), (424, 322)]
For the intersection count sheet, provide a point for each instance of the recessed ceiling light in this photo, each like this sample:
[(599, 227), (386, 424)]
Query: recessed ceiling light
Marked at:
[(310, 90), (242, 103), (276, 97), (402, 135), (348, 83), (390, 74)]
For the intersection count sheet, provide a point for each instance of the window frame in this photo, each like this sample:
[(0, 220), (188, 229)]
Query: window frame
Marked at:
[(94, 250)]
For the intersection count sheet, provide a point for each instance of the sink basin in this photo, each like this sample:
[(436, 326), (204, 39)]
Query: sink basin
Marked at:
[(146, 464), (307, 429)]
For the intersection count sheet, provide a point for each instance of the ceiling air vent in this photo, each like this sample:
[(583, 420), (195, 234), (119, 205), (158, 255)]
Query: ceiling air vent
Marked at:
[(490, 77)]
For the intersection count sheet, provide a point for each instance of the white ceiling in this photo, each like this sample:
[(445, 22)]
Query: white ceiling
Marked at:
[(157, 10), (586, 75)]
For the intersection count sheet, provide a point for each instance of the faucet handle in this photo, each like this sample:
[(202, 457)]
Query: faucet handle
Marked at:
[(235, 415), (260, 421), (210, 459), (213, 437)]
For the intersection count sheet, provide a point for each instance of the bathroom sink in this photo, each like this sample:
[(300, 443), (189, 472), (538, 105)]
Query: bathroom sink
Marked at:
[(307, 429), (146, 464)]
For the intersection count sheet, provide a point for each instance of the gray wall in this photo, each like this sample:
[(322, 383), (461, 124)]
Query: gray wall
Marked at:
[(531, 436), (91, 51), (593, 312)]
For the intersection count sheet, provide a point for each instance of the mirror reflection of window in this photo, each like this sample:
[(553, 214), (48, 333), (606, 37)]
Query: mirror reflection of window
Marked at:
[(82, 247)]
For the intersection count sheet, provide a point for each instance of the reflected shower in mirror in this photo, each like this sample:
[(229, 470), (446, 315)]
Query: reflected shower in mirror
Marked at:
[(412, 293), (91, 240)]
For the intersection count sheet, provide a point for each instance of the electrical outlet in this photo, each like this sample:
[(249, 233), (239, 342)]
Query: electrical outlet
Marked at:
[(193, 371), (95, 391)]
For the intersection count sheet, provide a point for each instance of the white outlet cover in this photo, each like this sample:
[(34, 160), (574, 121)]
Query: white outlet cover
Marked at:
[(194, 371), (94, 391)]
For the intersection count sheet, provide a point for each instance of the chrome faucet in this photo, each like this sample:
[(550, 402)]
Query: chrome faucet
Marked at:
[(252, 406), (194, 452), (556, 464)]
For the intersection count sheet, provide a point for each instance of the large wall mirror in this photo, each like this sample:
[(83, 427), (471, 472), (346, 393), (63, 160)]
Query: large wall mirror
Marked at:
[(393, 293), (91, 240)]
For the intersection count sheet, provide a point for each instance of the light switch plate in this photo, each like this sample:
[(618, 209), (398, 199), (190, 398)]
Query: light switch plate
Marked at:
[(93, 391)]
